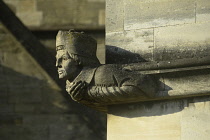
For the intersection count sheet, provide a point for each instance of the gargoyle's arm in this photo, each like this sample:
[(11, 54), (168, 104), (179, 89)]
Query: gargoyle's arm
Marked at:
[(129, 89), (104, 94)]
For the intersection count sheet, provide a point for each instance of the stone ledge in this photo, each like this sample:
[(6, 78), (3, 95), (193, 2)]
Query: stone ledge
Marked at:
[(173, 83)]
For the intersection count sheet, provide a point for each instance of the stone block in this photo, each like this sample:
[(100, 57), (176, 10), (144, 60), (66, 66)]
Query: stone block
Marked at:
[(25, 108), (70, 131), (59, 13), (96, 1), (129, 46), (3, 90), (183, 41), (202, 11), (183, 83), (150, 121), (6, 108), (101, 17), (31, 18), (3, 99), (114, 15), (195, 120), (10, 119), (66, 133), (25, 96), (21, 132), (89, 13), (54, 15), (181, 119), (26, 6), (56, 119), (156, 13)]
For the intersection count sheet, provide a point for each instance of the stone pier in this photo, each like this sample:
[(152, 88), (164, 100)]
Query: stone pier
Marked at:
[(162, 31)]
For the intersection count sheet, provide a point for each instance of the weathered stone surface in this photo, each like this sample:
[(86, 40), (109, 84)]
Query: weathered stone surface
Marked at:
[(147, 14), (114, 15), (129, 46), (5, 108), (186, 41), (27, 10), (27, 132), (195, 122), (159, 121), (186, 83), (31, 102), (202, 11), (177, 120), (101, 17), (54, 15)]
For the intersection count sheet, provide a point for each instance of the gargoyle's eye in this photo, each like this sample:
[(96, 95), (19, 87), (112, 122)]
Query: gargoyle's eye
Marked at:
[(61, 47), (65, 57)]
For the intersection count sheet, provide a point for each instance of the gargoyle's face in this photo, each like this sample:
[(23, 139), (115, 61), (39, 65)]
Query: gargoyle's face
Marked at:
[(68, 68)]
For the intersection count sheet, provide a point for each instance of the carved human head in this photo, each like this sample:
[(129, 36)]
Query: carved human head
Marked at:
[(77, 47)]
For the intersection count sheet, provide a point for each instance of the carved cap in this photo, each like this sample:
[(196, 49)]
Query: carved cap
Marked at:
[(76, 43)]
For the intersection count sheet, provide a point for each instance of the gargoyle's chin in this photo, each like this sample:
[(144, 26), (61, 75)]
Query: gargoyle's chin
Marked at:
[(63, 76)]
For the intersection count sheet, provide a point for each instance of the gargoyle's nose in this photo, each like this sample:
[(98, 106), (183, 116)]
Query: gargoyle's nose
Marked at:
[(57, 64)]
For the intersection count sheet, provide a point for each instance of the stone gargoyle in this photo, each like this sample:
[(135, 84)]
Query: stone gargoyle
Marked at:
[(88, 81)]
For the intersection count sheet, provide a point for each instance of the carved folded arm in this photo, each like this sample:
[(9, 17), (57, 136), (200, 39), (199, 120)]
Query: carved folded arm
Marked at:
[(114, 93), (125, 91)]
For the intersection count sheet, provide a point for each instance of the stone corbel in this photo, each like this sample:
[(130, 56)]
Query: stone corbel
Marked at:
[(99, 86)]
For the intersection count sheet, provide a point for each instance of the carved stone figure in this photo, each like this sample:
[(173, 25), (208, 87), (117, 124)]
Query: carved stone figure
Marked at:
[(89, 81)]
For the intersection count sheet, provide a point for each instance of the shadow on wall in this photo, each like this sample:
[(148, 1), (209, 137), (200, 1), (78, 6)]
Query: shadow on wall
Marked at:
[(155, 108), (120, 56), (31, 109), (164, 106)]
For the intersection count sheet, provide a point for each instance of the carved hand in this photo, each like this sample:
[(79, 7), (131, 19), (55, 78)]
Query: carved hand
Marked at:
[(77, 90)]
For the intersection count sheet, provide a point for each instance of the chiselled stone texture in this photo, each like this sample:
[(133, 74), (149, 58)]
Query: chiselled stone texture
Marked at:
[(147, 14), (184, 119), (186, 41), (202, 11), (114, 15), (32, 106), (178, 29), (129, 46), (55, 15)]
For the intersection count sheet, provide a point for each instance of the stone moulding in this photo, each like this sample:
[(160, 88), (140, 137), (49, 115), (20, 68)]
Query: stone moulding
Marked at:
[(174, 80)]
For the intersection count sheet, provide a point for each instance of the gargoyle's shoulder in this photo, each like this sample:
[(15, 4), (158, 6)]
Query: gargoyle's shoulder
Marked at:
[(108, 68), (105, 73)]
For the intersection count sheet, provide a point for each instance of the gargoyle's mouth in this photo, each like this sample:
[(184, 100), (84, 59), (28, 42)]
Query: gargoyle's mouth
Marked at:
[(60, 71)]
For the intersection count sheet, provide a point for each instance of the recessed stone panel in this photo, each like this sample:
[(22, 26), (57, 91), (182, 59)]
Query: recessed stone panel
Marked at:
[(156, 13), (55, 15), (195, 120), (202, 11), (129, 46), (186, 41), (147, 121), (114, 15), (181, 119)]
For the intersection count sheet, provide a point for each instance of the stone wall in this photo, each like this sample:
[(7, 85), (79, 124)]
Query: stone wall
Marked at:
[(32, 106), (184, 119), (46, 17), (55, 15), (157, 30)]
